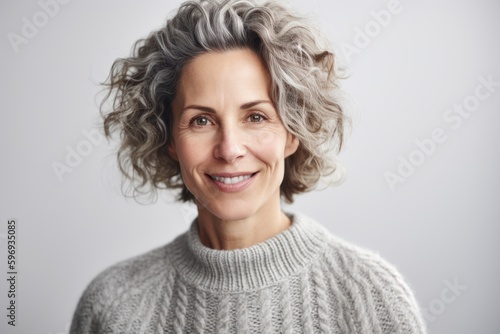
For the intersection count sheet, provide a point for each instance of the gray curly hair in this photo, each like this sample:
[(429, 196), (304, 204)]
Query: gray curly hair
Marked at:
[(304, 82)]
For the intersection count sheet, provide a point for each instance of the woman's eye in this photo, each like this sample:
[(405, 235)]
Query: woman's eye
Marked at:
[(200, 121), (256, 118)]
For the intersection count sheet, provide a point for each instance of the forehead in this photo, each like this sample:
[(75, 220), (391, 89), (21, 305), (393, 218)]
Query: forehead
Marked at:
[(235, 74)]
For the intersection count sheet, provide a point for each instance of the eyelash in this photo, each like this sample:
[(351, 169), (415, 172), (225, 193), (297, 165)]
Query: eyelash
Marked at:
[(262, 116), (196, 118)]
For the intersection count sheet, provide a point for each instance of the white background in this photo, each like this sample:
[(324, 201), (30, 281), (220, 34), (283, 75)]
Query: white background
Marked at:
[(440, 224)]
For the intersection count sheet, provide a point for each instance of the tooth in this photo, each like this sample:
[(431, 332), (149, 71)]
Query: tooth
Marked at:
[(231, 180)]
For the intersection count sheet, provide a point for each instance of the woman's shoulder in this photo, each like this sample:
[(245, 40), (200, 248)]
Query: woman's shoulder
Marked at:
[(134, 269), (119, 285), (362, 263), (353, 257), (349, 258), (368, 286)]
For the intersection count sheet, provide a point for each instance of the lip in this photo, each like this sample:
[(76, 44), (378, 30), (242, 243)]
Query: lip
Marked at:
[(231, 174), (235, 187)]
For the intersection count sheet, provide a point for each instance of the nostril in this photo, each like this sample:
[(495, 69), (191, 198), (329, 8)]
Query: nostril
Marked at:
[(229, 150)]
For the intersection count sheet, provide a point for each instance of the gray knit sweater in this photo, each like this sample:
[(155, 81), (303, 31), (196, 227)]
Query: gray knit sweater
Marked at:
[(303, 280)]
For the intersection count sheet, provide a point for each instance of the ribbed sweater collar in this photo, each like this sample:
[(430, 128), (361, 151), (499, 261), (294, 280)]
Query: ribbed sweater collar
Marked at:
[(248, 268)]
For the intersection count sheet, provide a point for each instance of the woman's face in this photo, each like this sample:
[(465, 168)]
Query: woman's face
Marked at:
[(227, 135)]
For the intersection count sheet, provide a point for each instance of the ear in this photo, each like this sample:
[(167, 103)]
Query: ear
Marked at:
[(292, 144), (172, 151)]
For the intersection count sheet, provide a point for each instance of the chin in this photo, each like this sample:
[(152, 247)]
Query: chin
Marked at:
[(228, 210)]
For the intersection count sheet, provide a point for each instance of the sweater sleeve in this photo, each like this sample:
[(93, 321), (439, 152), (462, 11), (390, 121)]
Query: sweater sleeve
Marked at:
[(112, 295), (400, 302), (395, 304), (90, 307), (378, 298)]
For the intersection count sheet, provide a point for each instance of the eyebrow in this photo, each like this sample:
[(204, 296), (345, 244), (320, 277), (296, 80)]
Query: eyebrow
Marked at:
[(244, 106)]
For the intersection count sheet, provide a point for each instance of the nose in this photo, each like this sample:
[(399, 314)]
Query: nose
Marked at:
[(230, 146)]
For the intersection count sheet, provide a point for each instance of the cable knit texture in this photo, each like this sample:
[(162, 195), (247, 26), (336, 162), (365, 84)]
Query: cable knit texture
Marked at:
[(303, 280)]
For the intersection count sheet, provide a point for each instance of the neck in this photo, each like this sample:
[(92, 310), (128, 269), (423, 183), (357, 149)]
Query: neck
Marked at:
[(222, 234), (250, 268)]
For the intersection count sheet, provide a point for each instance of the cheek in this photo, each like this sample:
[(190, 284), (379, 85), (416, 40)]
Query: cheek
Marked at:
[(190, 156), (269, 146), (269, 134), (191, 153)]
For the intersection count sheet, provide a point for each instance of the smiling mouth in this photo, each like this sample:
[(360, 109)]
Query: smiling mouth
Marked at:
[(232, 180)]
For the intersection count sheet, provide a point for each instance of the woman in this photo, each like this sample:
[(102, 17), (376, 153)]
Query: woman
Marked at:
[(234, 103)]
